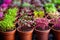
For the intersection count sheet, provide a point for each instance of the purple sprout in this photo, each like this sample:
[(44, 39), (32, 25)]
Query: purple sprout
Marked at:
[(42, 23)]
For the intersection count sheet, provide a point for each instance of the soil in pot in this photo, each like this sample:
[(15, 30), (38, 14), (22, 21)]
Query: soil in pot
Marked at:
[(25, 33), (9, 35), (56, 32), (42, 34)]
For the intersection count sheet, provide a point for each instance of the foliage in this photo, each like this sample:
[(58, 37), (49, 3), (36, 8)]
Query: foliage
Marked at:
[(56, 1), (42, 23), (8, 22), (50, 7), (38, 14), (27, 5)]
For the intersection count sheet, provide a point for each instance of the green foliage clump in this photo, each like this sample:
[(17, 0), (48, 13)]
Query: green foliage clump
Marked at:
[(27, 5), (50, 7), (39, 14), (56, 1), (8, 22)]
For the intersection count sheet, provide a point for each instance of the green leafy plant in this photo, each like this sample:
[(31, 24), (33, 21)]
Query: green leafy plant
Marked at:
[(38, 14), (8, 22), (56, 1), (50, 7), (51, 10)]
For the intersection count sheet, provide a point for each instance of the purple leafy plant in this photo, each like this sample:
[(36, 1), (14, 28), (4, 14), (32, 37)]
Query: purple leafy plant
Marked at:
[(42, 23)]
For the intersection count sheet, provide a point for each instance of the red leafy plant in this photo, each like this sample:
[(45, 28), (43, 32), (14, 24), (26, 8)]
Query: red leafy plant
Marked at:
[(42, 23), (56, 23)]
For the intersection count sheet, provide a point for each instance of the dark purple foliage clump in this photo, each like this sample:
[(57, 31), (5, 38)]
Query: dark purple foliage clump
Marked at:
[(42, 23)]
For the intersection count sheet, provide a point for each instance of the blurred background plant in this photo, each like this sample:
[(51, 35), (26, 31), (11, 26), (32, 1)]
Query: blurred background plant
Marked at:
[(51, 10)]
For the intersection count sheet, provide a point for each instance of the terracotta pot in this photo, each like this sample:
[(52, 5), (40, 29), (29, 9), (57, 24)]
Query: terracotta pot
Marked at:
[(8, 35), (42, 35), (56, 34), (25, 35)]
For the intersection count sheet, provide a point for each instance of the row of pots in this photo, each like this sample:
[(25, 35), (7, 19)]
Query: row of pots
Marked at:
[(27, 35)]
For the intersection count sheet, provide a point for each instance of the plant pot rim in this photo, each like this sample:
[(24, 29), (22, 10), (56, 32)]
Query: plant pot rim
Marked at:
[(9, 31), (25, 31), (43, 31), (55, 29)]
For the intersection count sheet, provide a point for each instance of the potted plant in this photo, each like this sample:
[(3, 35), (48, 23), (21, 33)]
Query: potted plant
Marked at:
[(42, 29), (25, 29), (56, 28), (7, 26), (50, 8)]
